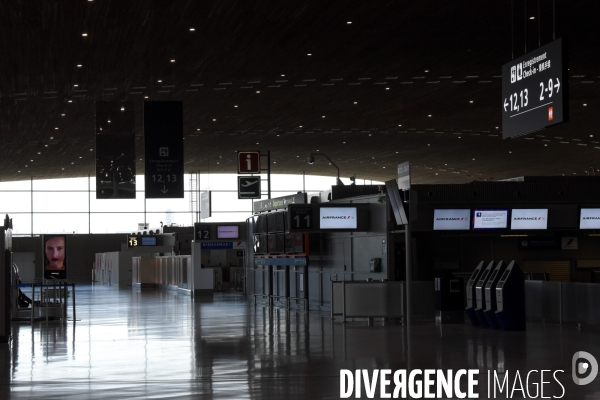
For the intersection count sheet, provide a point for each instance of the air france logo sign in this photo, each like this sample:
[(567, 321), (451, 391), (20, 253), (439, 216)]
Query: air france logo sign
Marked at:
[(590, 218), (338, 217), (529, 219), (452, 220)]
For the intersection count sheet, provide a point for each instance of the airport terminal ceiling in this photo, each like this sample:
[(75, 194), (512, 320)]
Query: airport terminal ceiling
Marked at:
[(370, 84)]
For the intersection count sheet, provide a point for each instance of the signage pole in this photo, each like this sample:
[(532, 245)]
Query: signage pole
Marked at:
[(407, 245), (269, 174)]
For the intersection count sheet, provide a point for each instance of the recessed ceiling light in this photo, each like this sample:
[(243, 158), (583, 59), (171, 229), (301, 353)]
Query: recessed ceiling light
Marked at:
[(236, 106), (426, 70), (122, 108), (277, 135), (323, 116), (309, 54), (197, 129), (387, 88), (471, 101), (84, 34), (257, 143), (31, 160), (349, 22), (75, 85), (109, 121), (140, 159), (429, 115), (79, 65), (91, 149), (591, 135), (56, 127), (192, 29), (510, 152), (145, 97), (51, 137), (356, 102), (214, 120), (73, 162), (172, 60), (399, 125), (282, 74), (39, 152), (62, 115), (80, 157), (585, 105), (160, 81), (300, 126), (18, 171), (383, 167), (531, 17), (496, 127), (45, 145), (344, 142)]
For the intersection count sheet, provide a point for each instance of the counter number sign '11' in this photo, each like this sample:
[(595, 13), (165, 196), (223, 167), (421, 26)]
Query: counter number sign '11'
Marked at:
[(534, 91)]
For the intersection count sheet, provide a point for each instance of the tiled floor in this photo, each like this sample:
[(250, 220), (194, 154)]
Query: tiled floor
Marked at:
[(154, 344)]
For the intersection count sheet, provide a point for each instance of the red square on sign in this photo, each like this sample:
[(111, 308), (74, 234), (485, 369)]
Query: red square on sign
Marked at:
[(550, 113), (248, 162)]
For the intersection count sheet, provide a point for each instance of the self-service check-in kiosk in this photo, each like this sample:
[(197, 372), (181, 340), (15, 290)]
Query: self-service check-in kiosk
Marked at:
[(510, 299), (490, 295), (471, 301), (480, 294)]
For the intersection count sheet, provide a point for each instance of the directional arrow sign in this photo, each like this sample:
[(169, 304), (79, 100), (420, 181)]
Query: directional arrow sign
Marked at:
[(163, 142), (248, 187)]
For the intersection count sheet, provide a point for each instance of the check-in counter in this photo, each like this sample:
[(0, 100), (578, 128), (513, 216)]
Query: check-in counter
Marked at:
[(167, 272)]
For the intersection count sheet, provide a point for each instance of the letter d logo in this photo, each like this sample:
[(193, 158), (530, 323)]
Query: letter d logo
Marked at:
[(580, 367)]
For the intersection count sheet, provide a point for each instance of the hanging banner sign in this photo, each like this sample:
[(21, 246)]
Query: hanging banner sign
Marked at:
[(163, 143), (115, 150)]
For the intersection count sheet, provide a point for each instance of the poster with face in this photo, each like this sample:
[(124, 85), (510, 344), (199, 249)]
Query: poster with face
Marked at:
[(55, 256)]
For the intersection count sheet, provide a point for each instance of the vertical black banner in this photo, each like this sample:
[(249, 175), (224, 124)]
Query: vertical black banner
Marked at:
[(163, 144), (115, 150)]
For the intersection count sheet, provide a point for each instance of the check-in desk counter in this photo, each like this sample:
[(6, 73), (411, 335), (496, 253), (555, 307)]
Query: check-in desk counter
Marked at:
[(167, 272)]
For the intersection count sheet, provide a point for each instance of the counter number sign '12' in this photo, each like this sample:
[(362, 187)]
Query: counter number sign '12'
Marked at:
[(534, 91), (163, 143)]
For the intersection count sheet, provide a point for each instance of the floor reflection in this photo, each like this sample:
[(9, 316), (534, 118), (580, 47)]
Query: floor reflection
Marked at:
[(137, 344)]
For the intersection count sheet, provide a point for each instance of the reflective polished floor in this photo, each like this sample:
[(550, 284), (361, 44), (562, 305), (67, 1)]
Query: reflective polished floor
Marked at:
[(157, 344)]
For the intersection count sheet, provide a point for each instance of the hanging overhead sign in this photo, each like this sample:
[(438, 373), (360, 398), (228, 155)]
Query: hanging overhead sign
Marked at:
[(279, 202), (534, 91), (163, 142), (205, 204), (115, 150)]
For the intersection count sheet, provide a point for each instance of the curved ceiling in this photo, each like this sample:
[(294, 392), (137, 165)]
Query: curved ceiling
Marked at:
[(370, 84)]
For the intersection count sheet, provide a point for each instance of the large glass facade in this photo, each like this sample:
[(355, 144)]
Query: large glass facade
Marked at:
[(70, 205)]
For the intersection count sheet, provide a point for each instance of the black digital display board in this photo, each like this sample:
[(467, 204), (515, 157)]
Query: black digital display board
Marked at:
[(202, 232), (534, 91), (301, 218)]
